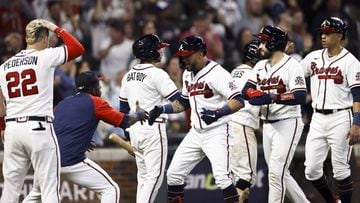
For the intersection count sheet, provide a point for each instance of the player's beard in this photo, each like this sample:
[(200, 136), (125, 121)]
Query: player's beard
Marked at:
[(265, 54)]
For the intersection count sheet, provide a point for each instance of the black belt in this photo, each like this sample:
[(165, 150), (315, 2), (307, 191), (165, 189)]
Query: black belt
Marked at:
[(274, 121), (271, 121), (329, 111), (30, 118)]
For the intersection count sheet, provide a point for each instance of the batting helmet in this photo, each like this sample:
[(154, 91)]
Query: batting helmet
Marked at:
[(275, 37), (190, 45), (333, 25), (251, 52), (147, 46)]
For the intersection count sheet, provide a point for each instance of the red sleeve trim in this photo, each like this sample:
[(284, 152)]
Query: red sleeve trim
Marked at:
[(74, 47), (105, 112)]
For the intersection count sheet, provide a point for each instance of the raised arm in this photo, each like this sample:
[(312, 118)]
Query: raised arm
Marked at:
[(73, 47)]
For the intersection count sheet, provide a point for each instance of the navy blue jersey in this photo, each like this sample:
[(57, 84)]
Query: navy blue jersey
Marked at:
[(75, 122)]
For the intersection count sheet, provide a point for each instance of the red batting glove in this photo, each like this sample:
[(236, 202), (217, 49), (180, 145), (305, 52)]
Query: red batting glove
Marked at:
[(252, 93)]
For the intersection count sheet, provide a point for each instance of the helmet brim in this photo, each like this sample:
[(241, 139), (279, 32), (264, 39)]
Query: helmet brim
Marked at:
[(163, 45), (185, 52), (263, 37), (327, 29)]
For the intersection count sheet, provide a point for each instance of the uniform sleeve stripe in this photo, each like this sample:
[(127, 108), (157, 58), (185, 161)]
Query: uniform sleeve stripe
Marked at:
[(66, 54), (298, 89), (355, 85), (233, 95), (252, 82), (183, 96), (123, 99), (171, 94)]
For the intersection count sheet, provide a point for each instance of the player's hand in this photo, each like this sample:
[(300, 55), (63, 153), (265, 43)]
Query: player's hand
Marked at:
[(141, 114), (91, 146), (252, 93), (49, 25), (154, 114), (209, 116), (354, 134)]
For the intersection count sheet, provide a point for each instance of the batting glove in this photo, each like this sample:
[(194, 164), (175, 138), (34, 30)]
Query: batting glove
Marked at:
[(155, 113), (253, 93), (209, 116)]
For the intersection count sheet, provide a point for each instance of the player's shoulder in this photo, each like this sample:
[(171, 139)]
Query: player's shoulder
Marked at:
[(350, 57), (316, 54), (260, 64), (241, 67)]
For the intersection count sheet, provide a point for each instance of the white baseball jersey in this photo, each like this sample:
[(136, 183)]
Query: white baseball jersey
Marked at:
[(332, 78), (207, 89), (155, 85), (249, 115), (150, 86), (285, 76), (25, 81)]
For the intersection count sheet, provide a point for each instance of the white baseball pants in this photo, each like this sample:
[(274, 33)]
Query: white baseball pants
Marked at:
[(213, 143), (25, 146), (279, 141)]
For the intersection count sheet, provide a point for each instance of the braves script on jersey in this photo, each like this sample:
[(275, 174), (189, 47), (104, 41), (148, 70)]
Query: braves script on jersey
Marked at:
[(207, 89), (285, 76), (332, 78)]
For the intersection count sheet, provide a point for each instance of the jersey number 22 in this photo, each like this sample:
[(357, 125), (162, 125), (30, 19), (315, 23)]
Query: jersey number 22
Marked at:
[(26, 88)]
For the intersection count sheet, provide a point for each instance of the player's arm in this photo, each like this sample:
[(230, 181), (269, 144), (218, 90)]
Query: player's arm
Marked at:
[(234, 104), (73, 47), (2, 111), (110, 115), (178, 104), (354, 133)]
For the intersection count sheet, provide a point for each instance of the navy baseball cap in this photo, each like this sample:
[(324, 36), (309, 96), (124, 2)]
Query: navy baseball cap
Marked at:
[(87, 80)]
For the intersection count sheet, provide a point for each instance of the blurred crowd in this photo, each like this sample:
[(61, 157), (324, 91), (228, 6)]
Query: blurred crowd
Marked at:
[(107, 29)]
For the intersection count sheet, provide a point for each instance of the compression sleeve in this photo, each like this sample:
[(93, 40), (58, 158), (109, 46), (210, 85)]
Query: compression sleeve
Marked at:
[(74, 47)]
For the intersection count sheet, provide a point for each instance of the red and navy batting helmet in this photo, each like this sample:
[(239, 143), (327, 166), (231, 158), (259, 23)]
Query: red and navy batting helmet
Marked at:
[(190, 45), (333, 25), (276, 38)]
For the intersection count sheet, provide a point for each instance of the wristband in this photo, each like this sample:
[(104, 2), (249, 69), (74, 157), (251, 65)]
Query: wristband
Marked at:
[(356, 118), (225, 110), (167, 108)]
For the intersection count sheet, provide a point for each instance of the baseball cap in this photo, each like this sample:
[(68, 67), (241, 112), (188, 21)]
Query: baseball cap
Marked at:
[(87, 80)]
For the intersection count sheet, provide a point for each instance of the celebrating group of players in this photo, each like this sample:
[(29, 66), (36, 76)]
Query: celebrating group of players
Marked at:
[(226, 109)]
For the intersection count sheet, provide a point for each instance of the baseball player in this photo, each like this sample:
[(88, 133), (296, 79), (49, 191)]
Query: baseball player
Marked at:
[(26, 81), (150, 86), (244, 122), (277, 85), (335, 88), (210, 92), (75, 122)]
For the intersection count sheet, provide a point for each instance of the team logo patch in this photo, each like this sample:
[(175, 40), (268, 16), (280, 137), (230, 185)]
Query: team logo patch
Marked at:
[(299, 80), (357, 76), (232, 85)]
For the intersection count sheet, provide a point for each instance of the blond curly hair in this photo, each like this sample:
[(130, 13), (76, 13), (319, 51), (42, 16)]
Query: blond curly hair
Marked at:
[(34, 30)]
